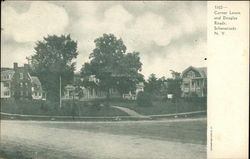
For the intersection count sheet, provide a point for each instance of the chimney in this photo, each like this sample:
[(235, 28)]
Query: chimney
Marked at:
[(26, 66), (15, 65)]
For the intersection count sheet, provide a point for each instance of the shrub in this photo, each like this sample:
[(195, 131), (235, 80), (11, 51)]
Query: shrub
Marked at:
[(144, 99)]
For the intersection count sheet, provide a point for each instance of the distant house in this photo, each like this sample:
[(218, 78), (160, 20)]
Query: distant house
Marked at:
[(21, 83), (18, 83), (139, 88), (6, 77), (194, 82), (133, 96), (78, 91), (36, 88), (82, 93), (69, 92)]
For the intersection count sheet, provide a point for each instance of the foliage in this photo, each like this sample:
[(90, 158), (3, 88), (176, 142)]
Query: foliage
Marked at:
[(48, 108), (112, 66), (174, 84), (175, 75), (154, 85), (52, 60), (174, 87), (144, 99)]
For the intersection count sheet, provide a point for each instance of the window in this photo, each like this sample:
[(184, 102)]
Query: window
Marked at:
[(21, 93), (6, 93), (26, 83), (192, 83), (35, 93), (5, 84), (21, 75), (198, 83), (27, 93), (21, 84)]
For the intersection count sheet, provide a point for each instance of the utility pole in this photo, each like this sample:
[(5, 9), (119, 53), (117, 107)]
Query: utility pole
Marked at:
[(60, 100)]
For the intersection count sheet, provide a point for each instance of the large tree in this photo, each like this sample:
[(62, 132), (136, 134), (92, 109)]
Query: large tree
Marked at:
[(174, 84), (112, 66), (53, 60), (153, 85)]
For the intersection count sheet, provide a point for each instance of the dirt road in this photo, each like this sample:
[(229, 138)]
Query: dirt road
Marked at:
[(34, 140)]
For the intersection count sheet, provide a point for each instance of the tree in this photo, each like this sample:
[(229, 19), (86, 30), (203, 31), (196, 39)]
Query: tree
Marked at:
[(174, 84), (129, 67), (112, 66), (175, 75), (144, 99), (153, 85), (52, 60)]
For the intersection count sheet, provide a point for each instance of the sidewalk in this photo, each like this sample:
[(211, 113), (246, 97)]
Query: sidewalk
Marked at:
[(128, 111)]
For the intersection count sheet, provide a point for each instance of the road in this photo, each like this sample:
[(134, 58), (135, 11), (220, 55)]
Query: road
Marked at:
[(52, 140)]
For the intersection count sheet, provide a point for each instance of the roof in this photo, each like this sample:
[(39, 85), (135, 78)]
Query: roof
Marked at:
[(5, 69), (70, 87), (8, 73), (35, 80), (201, 70)]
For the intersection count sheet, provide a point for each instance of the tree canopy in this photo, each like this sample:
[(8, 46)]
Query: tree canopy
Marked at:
[(52, 60), (153, 85), (112, 66), (174, 84)]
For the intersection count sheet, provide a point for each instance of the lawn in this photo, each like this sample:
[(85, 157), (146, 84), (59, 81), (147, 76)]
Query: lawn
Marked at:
[(83, 109), (177, 138), (97, 108), (185, 131), (164, 107)]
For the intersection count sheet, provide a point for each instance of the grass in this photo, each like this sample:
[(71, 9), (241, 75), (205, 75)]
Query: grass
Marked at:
[(13, 150), (34, 107), (182, 131), (96, 109), (164, 107), (185, 131)]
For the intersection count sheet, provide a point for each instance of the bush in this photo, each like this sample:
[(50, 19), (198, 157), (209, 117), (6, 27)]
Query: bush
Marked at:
[(144, 99)]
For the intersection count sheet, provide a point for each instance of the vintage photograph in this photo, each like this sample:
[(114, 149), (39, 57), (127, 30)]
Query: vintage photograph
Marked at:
[(103, 80)]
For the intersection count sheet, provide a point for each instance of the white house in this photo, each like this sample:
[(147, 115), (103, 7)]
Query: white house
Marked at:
[(36, 88), (6, 77)]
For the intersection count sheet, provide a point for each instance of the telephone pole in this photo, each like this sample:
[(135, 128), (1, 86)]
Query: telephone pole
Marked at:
[(60, 100)]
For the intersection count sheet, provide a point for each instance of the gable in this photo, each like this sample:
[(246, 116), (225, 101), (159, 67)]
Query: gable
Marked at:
[(191, 72)]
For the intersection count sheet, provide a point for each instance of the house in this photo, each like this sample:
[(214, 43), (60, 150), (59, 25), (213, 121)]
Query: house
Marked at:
[(21, 83), (139, 88), (6, 77), (36, 88), (79, 91), (194, 82), (133, 96), (18, 83), (69, 92), (82, 93)]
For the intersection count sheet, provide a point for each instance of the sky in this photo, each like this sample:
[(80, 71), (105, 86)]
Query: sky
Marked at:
[(169, 35)]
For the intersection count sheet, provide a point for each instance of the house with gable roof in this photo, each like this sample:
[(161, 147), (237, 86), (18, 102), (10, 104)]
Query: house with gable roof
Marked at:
[(194, 82), (6, 77), (36, 88), (18, 83)]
